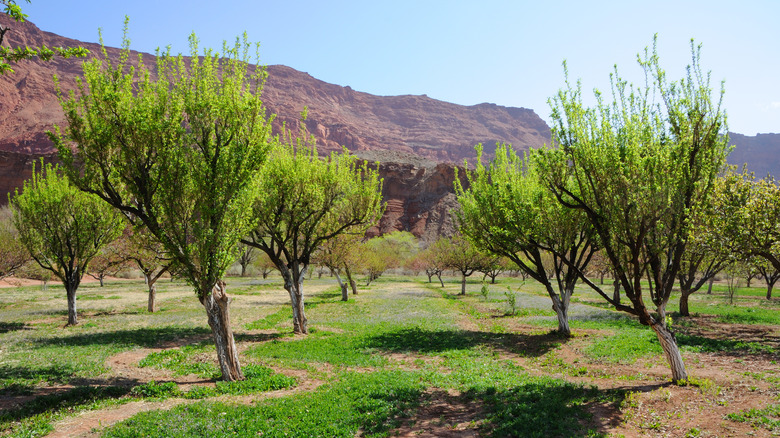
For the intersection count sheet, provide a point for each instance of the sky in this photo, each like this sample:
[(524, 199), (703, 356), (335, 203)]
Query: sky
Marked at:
[(465, 52)]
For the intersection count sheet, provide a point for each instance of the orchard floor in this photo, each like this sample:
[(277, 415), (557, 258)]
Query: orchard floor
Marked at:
[(470, 356)]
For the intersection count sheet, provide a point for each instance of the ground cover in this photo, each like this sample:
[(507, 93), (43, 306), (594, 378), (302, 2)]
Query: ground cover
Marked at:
[(402, 358)]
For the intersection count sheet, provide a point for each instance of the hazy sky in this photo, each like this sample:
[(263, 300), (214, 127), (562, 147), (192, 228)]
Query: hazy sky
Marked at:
[(466, 52)]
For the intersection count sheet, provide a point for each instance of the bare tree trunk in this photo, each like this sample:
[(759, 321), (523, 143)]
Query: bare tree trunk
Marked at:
[(684, 303), (672, 353), (430, 277), (100, 279), (352, 283), (561, 307), (342, 285), (217, 309), (440, 280), (70, 290), (151, 302), (463, 284), (243, 269), (769, 287), (709, 285), (616, 291), (300, 323)]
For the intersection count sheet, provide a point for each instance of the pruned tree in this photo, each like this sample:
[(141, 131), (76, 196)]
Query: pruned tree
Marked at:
[(305, 200), (63, 228), (13, 254), (638, 166), (507, 211), (179, 152)]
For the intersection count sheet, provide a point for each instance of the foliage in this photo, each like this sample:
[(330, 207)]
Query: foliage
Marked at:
[(15, 54), (13, 254), (638, 167), (63, 228), (508, 212), (178, 152), (388, 251), (302, 202)]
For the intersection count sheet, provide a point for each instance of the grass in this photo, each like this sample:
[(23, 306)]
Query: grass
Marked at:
[(381, 355)]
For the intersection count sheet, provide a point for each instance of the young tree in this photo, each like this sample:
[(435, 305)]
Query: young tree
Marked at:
[(463, 256), (432, 259), (179, 154), (63, 228), (638, 167), (111, 259), (507, 211), (151, 258), (16, 54), (245, 257), (13, 254), (337, 254), (263, 265), (304, 201)]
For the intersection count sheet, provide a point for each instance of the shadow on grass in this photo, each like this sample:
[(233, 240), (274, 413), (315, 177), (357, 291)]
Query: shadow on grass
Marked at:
[(142, 337), (6, 327), (419, 340), (551, 408), (729, 346), (65, 400)]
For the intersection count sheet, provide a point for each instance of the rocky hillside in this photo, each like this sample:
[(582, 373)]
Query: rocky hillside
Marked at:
[(416, 140)]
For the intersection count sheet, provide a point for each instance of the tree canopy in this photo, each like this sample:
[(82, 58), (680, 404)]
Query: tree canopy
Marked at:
[(177, 149)]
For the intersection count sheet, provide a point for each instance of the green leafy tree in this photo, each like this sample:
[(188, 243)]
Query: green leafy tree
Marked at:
[(432, 259), (10, 55), (338, 254), (13, 254), (63, 228), (179, 152), (461, 255), (638, 165), (508, 212), (305, 200), (152, 260)]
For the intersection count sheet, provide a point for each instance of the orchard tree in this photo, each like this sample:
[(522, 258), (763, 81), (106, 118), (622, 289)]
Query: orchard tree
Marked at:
[(246, 255), (63, 228), (13, 254), (507, 211), (10, 55), (432, 259), (302, 202), (111, 259), (178, 150), (636, 166), (462, 256), (338, 254), (152, 260)]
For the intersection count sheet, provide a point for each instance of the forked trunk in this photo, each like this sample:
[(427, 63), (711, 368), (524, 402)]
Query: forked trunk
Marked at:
[(672, 353), (684, 294), (463, 284), (217, 309), (300, 323), (151, 303)]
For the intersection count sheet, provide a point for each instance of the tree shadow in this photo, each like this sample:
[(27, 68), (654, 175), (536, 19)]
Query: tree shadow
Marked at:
[(63, 400), (141, 337), (6, 327), (419, 340)]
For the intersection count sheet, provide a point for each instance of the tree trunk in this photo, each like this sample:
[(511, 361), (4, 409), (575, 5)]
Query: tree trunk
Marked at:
[(243, 269), (493, 278), (300, 323), (151, 302), (672, 352), (343, 286), (463, 284), (616, 291), (430, 277), (769, 287), (709, 285), (217, 309), (70, 290), (100, 279), (440, 280), (684, 303), (561, 308), (352, 283)]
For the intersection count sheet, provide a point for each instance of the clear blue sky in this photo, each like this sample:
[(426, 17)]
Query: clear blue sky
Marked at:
[(466, 52)]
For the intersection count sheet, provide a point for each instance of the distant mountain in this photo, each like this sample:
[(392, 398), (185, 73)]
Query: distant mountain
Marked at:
[(417, 140), (761, 153)]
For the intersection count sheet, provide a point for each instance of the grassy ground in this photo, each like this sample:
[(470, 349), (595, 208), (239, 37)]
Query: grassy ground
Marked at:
[(402, 358)]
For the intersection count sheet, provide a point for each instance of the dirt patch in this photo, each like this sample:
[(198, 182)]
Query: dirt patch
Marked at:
[(446, 414)]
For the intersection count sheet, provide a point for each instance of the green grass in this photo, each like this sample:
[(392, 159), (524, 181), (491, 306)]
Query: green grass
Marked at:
[(767, 418)]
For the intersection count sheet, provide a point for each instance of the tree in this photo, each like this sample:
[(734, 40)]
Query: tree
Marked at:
[(16, 54), (492, 267), (111, 259), (462, 256), (180, 155), (245, 257), (638, 167), (768, 272), (507, 211), (63, 228), (337, 254), (264, 265), (304, 201), (151, 258), (432, 259), (13, 254)]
